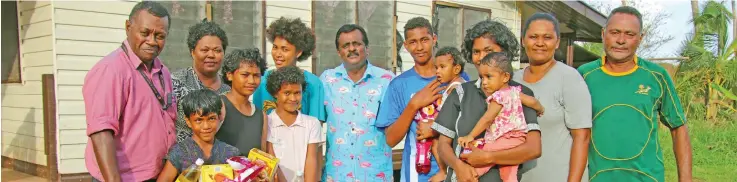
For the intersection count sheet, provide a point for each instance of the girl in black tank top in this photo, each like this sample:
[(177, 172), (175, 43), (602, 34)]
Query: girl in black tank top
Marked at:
[(245, 125)]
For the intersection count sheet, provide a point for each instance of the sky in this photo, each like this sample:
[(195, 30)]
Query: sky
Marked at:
[(678, 25)]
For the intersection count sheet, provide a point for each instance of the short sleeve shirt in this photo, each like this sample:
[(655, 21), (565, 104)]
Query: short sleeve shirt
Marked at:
[(118, 98), (186, 152), (356, 148), (567, 103), (400, 91), (627, 107), (290, 142), (460, 115)]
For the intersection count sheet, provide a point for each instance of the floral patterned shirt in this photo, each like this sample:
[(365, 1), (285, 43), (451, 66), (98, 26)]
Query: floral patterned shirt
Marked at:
[(356, 148), (510, 118)]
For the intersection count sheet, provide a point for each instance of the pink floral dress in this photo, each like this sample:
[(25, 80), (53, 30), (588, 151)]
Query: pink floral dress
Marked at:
[(510, 122)]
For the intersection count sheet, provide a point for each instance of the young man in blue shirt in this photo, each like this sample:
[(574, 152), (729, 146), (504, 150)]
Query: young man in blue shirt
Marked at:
[(407, 93)]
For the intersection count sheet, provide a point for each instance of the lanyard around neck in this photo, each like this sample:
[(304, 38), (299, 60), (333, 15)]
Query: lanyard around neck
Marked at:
[(164, 102)]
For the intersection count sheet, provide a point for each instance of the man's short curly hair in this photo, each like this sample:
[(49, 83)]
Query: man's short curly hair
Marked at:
[(454, 53), (295, 32), (205, 28), (493, 30), (234, 60), (284, 75), (152, 7)]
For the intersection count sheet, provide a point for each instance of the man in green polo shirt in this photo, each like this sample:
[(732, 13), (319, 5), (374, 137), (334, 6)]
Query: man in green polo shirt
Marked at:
[(630, 95)]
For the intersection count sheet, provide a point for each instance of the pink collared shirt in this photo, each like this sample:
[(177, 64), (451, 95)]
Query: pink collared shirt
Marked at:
[(117, 98)]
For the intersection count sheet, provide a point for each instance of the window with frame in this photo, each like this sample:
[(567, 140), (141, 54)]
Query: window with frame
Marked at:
[(242, 22), (452, 22), (10, 43), (376, 17)]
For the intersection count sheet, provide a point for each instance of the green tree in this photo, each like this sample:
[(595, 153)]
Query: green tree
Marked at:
[(712, 66)]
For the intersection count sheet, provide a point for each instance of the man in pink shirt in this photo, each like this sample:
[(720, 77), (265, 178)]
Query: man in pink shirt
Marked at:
[(128, 102)]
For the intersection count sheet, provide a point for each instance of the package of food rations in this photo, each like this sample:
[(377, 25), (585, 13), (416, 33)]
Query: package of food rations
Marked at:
[(210, 173), (267, 159), (247, 170)]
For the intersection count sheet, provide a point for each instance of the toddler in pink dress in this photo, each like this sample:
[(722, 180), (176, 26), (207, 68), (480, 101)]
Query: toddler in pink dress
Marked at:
[(504, 121)]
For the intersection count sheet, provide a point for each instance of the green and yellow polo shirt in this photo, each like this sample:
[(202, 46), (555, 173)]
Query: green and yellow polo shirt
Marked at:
[(626, 109)]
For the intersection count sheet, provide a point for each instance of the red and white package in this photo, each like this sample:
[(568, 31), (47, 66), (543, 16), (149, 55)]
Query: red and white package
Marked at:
[(245, 170)]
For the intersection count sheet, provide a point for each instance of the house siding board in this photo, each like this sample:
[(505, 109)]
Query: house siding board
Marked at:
[(71, 164), (87, 18), (28, 88), (84, 33), (407, 9), (22, 106), (37, 59), (19, 153), (298, 9), (24, 114), (30, 5), (72, 122), (35, 30)]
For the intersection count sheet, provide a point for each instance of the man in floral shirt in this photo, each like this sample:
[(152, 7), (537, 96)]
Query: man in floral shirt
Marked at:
[(356, 148)]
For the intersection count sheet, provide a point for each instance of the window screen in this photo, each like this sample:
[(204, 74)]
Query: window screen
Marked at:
[(377, 18), (470, 18), (10, 43), (183, 14), (452, 25), (449, 26), (328, 17), (242, 21)]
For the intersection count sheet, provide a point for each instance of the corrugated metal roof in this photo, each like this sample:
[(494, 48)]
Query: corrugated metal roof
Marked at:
[(575, 15)]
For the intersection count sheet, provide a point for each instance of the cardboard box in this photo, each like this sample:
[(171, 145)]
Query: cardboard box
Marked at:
[(268, 159), (210, 171)]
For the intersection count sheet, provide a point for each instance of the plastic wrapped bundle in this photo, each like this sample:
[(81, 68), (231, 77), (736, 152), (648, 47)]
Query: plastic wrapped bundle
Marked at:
[(246, 170)]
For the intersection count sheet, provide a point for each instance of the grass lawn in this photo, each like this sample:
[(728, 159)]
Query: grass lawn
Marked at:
[(714, 151)]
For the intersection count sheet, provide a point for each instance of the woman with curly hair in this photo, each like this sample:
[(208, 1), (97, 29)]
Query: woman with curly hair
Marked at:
[(293, 42), (466, 104), (486, 37), (207, 43), (243, 126)]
